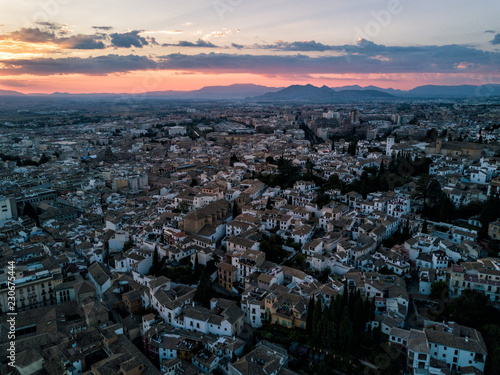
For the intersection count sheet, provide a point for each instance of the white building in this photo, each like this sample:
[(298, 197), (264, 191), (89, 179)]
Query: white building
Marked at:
[(177, 130), (451, 346), (8, 209)]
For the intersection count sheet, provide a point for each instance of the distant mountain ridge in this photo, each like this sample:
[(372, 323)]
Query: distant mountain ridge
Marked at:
[(10, 93), (310, 93), (297, 93), (236, 91), (435, 91)]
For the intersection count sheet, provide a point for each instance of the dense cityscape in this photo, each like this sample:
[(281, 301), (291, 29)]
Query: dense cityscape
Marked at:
[(235, 187), (236, 238)]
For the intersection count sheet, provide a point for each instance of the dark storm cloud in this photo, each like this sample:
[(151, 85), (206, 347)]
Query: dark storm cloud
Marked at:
[(36, 35), (53, 33), (100, 65), (296, 46), (365, 57), (84, 42), (237, 46), (130, 39), (31, 35)]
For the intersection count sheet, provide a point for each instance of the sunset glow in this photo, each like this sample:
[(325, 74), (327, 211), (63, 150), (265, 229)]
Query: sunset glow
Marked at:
[(387, 44)]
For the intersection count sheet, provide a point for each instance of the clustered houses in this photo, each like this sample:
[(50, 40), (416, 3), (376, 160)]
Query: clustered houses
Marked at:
[(440, 348), (85, 249), (483, 275), (389, 293)]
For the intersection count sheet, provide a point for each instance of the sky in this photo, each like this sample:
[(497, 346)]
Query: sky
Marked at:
[(125, 46)]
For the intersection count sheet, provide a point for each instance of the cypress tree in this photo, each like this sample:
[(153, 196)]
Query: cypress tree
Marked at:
[(338, 310), (331, 335), (331, 309), (197, 267), (358, 316), (352, 301), (204, 291), (345, 295), (235, 210), (345, 331), (382, 168), (424, 226), (155, 268), (268, 204), (316, 329), (30, 211), (310, 312)]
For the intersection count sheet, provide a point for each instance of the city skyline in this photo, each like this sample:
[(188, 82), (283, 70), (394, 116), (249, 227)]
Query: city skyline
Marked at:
[(118, 47)]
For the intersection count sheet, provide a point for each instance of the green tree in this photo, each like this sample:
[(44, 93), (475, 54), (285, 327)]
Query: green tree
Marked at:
[(204, 292), (331, 334), (446, 209), (128, 245), (233, 159), (359, 315), (155, 267), (30, 211), (183, 206), (318, 309), (428, 190), (490, 211), (236, 211), (424, 226), (268, 204), (439, 290), (345, 331), (491, 334), (381, 170), (198, 269), (309, 319), (43, 159)]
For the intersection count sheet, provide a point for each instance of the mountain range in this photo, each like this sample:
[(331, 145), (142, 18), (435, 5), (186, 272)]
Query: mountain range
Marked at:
[(310, 93), (298, 93)]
